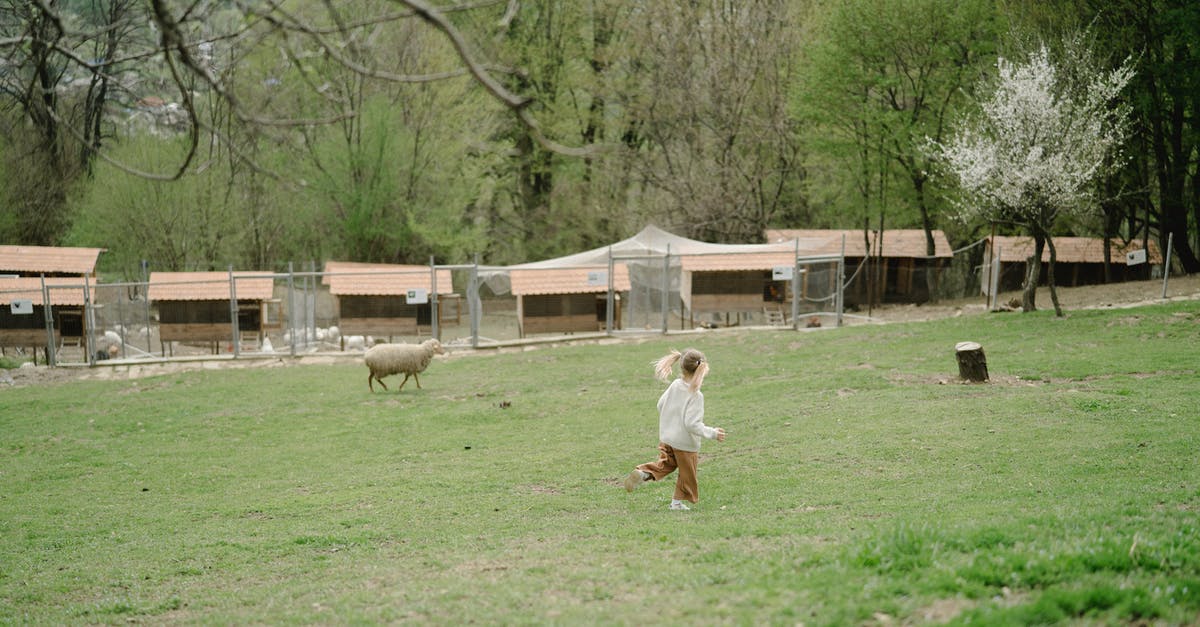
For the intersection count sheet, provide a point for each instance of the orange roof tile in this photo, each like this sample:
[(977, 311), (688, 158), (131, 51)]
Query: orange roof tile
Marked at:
[(63, 290), (1071, 249), (908, 243), (736, 261), (209, 286), (36, 259), (351, 278), (579, 280)]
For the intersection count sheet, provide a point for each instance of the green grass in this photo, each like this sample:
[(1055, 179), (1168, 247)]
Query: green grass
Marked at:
[(860, 483), (8, 362)]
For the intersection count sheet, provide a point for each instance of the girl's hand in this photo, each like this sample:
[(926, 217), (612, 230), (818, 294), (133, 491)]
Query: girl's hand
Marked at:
[(720, 434)]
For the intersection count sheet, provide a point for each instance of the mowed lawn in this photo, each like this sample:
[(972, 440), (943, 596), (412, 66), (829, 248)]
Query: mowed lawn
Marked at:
[(860, 484)]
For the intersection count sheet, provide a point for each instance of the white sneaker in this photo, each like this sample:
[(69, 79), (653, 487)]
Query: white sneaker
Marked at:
[(679, 505), (634, 479)]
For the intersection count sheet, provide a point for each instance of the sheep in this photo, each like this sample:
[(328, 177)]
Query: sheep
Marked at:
[(388, 359)]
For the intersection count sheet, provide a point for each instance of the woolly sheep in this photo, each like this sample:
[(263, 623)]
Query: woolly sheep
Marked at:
[(388, 359)]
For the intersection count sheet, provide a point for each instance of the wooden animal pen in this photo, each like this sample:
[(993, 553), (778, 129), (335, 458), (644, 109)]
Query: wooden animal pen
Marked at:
[(567, 300), (733, 283), (1078, 261), (195, 307), (903, 254), (23, 313), (388, 300)]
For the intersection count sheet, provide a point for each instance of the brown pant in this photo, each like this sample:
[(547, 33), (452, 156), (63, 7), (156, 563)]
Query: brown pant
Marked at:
[(669, 458)]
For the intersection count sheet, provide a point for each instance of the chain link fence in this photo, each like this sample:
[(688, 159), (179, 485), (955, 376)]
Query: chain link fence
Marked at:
[(235, 314)]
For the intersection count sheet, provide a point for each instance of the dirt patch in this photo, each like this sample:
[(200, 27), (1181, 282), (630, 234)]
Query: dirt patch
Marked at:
[(1111, 296)]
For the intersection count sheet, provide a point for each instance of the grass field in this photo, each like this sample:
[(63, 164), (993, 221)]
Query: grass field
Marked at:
[(860, 484)]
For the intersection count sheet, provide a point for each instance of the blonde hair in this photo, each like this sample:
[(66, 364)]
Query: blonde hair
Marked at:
[(692, 364)]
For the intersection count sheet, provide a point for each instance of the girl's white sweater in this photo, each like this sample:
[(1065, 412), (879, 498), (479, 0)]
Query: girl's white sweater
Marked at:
[(681, 417)]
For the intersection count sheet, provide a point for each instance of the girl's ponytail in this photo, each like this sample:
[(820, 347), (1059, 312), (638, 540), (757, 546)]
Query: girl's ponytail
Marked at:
[(665, 364), (694, 367)]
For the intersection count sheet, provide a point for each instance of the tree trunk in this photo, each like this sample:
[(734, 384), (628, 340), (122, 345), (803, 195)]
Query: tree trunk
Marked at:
[(1050, 278), (1033, 274), (972, 364)]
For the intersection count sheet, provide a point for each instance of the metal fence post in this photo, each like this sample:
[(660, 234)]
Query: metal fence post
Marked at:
[(840, 297), (48, 315), (796, 286), (841, 286), (121, 321), (434, 311), (666, 291), (89, 321), (1167, 263), (233, 313), (608, 307), (291, 325), (474, 303)]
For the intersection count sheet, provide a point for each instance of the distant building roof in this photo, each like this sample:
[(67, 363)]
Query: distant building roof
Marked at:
[(1015, 249), (196, 286), (908, 243), (352, 278), (46, 259), (579, 280), (730, 262), (63, 290)]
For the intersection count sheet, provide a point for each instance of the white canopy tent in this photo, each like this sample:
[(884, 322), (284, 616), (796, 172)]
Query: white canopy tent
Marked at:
[(660, 267)]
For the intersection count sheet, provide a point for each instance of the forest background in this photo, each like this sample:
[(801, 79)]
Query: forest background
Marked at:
[(203, 134)]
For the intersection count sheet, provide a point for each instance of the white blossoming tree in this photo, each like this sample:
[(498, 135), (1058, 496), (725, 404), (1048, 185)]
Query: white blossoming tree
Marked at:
[(1045, 134)]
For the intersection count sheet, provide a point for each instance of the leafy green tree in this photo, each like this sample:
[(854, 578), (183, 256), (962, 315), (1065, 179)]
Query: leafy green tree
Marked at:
[(878, 79), (175, 226), (1166, 107)]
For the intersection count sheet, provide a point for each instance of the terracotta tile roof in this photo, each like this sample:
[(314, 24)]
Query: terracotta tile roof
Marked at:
[(37, 259), (351, 278), (739, 261), (906, 243), (1072, 249), (70, 290), (209, 286), (580, 280)]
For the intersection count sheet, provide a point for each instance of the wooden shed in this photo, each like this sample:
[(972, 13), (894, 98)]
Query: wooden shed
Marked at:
[(904, 255), (386, 299), (195, 306), (50, 261), (725, 283), (1078, 261), (567, 300), (23, 312)]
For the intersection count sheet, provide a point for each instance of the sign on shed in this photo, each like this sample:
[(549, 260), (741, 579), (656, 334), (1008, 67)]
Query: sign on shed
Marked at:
[(598, 278), (22, 306), (1134, 257), (417, 296)]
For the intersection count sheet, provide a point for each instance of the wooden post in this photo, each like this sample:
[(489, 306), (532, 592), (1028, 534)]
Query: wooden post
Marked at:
[(972, 364)]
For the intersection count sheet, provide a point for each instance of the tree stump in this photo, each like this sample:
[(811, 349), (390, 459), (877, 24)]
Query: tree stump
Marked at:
[(972, 364)]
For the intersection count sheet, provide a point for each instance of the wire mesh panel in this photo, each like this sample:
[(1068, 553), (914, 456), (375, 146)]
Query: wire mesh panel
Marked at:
[(653, 299), (819, 288)]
